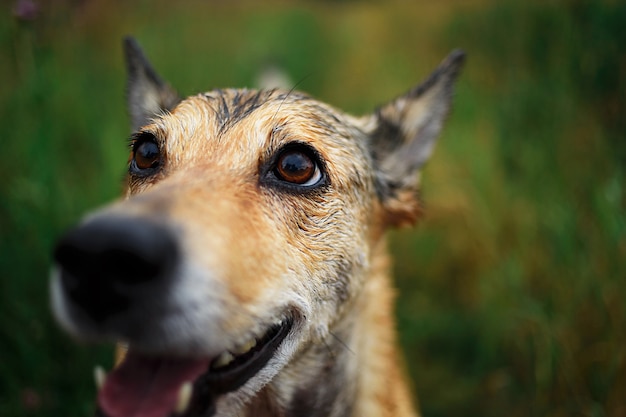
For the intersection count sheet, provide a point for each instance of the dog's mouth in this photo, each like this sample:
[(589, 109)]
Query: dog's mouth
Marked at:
[(160, 386)]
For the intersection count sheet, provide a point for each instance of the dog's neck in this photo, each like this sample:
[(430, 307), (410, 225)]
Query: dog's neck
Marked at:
[(383, 390), (356, 371)]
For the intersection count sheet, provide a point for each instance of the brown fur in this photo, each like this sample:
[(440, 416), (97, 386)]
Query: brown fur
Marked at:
[(258, 251)]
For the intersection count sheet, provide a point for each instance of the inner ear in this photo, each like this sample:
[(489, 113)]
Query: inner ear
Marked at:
[(147, 94), (403, 133)]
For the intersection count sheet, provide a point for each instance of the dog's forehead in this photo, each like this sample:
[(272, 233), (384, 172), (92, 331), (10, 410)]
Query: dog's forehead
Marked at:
[(246, 122)]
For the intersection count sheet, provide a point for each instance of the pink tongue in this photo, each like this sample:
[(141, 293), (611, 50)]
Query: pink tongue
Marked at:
[(147, 386)]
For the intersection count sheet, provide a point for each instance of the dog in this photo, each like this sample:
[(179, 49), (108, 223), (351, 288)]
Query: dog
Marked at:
[(245, 270)]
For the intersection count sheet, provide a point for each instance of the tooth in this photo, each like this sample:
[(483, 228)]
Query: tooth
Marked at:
[(223, 360), (239, 350), (100, 376), (120, 352), (184, 397)]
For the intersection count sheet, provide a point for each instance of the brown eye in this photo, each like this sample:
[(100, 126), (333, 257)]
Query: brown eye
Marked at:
[(147, 155), (297, 167)]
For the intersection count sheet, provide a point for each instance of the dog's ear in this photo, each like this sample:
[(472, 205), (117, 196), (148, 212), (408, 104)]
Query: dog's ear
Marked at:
[(403, 135), (147, 94)]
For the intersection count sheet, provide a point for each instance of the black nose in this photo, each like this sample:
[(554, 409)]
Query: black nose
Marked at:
[(108, 262)]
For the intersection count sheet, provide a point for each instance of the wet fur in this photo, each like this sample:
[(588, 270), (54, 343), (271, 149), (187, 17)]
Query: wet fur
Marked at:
[(255, 250)]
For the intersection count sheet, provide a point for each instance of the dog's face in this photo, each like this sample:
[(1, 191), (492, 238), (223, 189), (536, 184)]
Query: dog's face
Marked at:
[(245, 236)]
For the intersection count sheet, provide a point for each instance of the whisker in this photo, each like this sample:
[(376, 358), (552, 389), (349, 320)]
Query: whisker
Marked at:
[(291, 90), (337, 338), (330, 351)]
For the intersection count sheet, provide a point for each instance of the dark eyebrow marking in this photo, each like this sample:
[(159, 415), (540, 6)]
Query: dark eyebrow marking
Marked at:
[(235, 105)]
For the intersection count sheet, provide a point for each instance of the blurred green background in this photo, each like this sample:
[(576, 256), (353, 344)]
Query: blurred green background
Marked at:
[(512, 290)]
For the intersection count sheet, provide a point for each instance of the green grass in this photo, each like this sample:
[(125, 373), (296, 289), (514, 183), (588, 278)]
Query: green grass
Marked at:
[(511, 289)]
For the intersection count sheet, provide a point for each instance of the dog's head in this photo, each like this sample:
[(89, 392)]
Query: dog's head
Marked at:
[(247, 231)]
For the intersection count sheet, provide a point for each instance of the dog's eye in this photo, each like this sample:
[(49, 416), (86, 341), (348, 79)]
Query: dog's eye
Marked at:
[(146, 154), (297, 167)]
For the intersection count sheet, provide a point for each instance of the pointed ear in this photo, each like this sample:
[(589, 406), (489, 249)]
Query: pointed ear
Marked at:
[(403, 136), (147, 94)]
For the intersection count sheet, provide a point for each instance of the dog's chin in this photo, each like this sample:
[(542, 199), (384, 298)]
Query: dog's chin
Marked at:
[(162, 385)]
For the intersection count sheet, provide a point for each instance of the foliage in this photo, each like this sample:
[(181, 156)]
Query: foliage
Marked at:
[(511, 288), (521, 308)]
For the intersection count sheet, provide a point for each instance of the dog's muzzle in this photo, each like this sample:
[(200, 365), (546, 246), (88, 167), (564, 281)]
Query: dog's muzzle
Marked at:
[(116, 280)]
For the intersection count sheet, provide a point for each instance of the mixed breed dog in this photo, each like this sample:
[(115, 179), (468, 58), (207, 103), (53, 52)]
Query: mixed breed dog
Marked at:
[(245, 272)]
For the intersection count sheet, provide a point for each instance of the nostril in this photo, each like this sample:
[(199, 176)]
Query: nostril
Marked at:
[(74, 256), (74, 261)]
